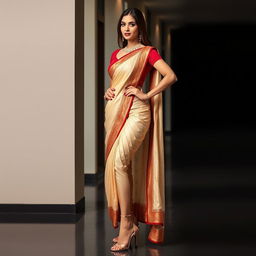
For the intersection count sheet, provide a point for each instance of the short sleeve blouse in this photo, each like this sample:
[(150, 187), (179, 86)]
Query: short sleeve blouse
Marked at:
[(152, 58)]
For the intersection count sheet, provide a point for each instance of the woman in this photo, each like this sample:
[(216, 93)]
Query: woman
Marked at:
[(134, 172)]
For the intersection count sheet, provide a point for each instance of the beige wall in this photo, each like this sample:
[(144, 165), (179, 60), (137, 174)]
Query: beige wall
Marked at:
[(37, 102), (90, 115), (113, 10)]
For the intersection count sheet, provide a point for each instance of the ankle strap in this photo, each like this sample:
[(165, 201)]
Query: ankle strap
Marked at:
[(126, 215)]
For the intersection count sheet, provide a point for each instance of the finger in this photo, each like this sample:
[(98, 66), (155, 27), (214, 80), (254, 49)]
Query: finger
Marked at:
[(129, 91), (113, 89), (106, 96), (110, 93), (109, 96)]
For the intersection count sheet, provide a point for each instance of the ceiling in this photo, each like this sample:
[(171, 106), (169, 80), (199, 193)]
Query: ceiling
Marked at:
[(179, 12)]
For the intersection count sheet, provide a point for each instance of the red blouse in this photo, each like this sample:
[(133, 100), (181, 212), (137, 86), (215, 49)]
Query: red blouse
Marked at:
[(153, 57)]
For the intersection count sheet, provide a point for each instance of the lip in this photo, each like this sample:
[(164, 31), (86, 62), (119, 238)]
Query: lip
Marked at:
[(127, 34)]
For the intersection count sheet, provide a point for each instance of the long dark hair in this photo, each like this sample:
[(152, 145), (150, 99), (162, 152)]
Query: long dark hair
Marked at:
[(140, 21)]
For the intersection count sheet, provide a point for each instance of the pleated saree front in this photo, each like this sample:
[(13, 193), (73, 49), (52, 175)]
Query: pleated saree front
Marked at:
[(134, 143)]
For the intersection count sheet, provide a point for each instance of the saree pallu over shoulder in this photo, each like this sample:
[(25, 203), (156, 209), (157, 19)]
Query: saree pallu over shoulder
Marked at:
[(147, 163)]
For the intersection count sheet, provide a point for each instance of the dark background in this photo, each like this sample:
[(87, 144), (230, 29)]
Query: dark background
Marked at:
[(216, 69)]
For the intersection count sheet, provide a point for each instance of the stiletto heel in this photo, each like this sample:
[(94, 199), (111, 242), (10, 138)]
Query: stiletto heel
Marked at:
[(135, 244)]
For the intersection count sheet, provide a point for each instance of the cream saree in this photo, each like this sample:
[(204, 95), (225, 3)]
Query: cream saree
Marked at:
[(134, 141)]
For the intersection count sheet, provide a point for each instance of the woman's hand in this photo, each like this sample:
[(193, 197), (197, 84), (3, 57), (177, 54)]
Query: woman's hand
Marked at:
[(131, 90), (109, 94)]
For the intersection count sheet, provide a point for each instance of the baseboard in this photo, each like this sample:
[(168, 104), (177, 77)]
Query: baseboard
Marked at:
[(91, 179), (42, 213)]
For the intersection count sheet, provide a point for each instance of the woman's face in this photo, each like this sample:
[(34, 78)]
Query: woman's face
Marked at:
[(129, 28)]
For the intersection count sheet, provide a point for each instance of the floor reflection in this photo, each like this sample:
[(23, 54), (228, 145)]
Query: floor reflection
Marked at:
[(209, 206), (42, 239)]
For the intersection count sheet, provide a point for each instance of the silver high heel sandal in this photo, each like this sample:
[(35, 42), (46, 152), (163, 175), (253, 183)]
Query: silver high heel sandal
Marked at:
[(123, 247), (115, 239)]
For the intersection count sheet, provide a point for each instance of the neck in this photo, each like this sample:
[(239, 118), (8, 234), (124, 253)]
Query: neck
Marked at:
[(131, 44)]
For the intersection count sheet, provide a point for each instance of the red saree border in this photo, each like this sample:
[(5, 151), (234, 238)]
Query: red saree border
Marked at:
[(123, 113), (114, 216), (140, 211), (134, 51)]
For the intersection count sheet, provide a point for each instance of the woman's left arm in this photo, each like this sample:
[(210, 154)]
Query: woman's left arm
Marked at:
[(169, 78)]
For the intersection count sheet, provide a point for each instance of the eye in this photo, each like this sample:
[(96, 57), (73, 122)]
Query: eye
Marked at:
[(133, 24), (122, 24)]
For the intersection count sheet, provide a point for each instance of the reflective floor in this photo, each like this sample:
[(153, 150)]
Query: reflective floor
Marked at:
[(210, 176)]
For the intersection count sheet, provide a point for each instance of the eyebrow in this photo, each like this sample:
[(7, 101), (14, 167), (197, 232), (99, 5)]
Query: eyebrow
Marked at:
[(128, 22)]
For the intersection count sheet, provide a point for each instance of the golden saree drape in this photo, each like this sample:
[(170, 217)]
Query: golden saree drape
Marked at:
[(134, 141)]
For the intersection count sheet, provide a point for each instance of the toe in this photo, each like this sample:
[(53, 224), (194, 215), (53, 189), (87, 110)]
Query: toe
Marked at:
[(114, 247)]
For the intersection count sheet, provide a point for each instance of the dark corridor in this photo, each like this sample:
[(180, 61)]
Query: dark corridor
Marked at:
[(215, 65)]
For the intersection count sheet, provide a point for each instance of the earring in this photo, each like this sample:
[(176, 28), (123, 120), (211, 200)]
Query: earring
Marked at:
[(140, 38)]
